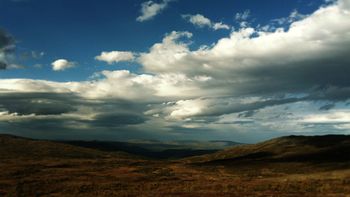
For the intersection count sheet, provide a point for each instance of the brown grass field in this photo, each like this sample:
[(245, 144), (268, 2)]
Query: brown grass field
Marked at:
[(291, 166)]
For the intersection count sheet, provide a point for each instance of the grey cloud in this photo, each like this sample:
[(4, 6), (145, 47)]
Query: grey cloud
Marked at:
[(327, 107), (6, 41), (247, 114), (249, 108), (3, 65), (37, 103), (179, 129), (65, 113), (117, 119), (7, 45), (321, 72), (332, 93)]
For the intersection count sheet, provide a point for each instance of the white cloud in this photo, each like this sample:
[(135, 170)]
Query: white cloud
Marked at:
[(242, 16), (332, 117), (31, 85), (150, 9), (293, 16), (186, 108), (310, 41), (220, 25), (120, 84), (164, 54), (115, 56), (198, 20), (62, 64), (202, 21)]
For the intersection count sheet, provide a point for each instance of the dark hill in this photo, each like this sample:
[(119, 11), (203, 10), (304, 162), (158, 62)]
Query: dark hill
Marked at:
[(18, 147), (312, 149), (156, 151)]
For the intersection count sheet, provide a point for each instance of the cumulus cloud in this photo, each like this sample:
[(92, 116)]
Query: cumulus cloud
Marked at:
[(62, 64), (198, 20), (115, 56), (202, 21), (167, 53), (256, 62), (251, 61), (150, 9)]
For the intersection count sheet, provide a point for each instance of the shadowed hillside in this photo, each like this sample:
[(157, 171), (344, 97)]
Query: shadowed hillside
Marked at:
[(156, 149), (19, 147), (316, 149)]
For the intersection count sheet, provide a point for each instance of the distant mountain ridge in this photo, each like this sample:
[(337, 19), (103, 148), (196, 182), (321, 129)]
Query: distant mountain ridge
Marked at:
[(15, 145), (157, 149), (314, 149)]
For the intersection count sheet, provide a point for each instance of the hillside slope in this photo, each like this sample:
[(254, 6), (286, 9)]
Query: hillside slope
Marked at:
[(12, 147), (317, 149)]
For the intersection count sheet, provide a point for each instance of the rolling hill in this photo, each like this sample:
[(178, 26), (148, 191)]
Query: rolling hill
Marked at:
[(14, 147), (286, 166), (317, 149)]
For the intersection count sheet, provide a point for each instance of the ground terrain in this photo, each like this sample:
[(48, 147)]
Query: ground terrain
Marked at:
[(288, 166)]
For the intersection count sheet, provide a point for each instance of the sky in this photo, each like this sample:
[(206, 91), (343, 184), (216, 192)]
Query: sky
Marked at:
[(239, 70)]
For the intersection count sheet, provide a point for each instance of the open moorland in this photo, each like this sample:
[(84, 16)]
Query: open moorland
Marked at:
[(287, 166)]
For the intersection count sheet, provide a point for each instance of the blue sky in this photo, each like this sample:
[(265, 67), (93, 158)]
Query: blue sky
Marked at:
[(79, 31), (241, 70)]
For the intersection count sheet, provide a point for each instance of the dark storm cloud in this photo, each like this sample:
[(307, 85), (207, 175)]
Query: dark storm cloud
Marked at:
[(319, 73), (327, 107), (3, 65), (59, 112), (38, 103), (335, 94), (6, 41), (249, 108), (110, 112), (331, 94), (7, 45), (117, 119)]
